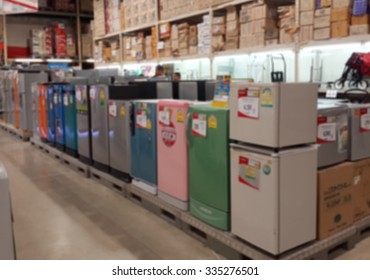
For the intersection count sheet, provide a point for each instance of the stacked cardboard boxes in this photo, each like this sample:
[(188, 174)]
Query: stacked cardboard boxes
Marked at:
[(154, 42), (340, 20), (169, 8), (64, 5), (360, 18), (287, 25), (60, 40), (37, 42), (204, 36), (86, 6), (193, 40), (218, 33), (86, 46), (183, 30), (140, 13), (112, 16), (232, 29), (148, 47), (246, 25), (122, 15), (99, 18), (307, 20), (71, 45), (322, 24)]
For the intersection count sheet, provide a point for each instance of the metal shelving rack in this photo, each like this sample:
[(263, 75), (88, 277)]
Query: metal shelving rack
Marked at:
[(77, 16)]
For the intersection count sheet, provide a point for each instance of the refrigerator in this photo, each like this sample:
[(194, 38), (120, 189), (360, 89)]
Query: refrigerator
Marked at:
[(70, 115), (332, 134), (84, 124), (144, 145), (172, 150), (273, 115), (59, 98), (359, 137), (168, 90), (209, 172), (274, 196), (197, 90), (99, 96), (52, 100), (25, 84), (35, 112), (42, 103)]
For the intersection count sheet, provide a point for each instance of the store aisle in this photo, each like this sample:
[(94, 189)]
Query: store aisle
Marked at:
[(61, 215)]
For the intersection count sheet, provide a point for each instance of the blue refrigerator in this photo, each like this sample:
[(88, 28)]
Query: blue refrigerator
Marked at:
[(51, 100), (144, 145), (59, 117)]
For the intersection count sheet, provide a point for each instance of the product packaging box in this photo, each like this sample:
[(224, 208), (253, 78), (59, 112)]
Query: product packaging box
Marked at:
[(307, 5), (307, 18), (340, 14), (360, 20), (361, 189), (322, 34), (335, 199), (339, 29), (359, 29)]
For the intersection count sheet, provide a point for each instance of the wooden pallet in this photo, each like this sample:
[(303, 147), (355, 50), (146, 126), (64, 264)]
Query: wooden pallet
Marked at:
[(108, 181), (363, 229), (76, 165), (155, 205)]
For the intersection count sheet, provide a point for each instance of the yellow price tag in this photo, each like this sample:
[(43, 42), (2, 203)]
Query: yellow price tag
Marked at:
[(212, 122)]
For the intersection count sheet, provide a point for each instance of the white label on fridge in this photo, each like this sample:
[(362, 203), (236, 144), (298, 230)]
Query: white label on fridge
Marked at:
[(248, 107), (141, 119), (365, 123), (92, 93), (249, 172), (55, 99), (331, 93), (199, 127), (65, 100), (327, 132), (78, 95), (112, 109), (164, 117)]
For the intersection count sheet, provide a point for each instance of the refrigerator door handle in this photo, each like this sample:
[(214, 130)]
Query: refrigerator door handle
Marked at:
[(132, 120), (188, 129)]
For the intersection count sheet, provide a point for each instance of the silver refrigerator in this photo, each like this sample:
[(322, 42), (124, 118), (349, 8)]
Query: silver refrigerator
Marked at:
[(35, 112), (197, 90), (25, 83), (332, 134), (99, 97)]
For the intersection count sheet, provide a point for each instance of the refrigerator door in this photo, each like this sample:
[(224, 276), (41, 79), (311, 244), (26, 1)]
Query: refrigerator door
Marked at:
[(35, 111), (144, 142), (173, 152), (59, 99), (119, 137), (51, 114), (83, 123), (69, 103), (43, 111), (332, 134), (359, 131), (273, 115), (165, 90), (209, 165), (99, 125), (267, 208)]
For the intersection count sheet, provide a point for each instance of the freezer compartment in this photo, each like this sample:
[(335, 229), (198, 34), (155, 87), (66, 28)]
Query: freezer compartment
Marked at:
[(273, 115), (274, 197), (197, 90), (332, 134)]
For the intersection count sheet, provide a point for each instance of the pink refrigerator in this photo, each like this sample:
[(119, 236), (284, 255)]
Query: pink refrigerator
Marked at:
[(173, 152)]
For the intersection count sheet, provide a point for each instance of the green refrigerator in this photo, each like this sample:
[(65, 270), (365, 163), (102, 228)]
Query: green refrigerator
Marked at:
[(209, 178), (70, 115)]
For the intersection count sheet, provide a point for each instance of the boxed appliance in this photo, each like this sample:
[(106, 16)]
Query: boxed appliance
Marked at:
[(273, 196), (361, 189), (332, 134), (280, 115), (335, 199)]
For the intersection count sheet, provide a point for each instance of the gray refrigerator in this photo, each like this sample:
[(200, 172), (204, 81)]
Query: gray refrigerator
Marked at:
[(197, 90), (25, 82)]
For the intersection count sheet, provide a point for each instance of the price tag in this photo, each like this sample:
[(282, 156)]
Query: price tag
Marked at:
[(331, 93), (78, 95), (199, 127), (249, 107), (327, 132), (65, 100), (112, 109), (365, 120), (55, 99), (141, 119), (164, 116)]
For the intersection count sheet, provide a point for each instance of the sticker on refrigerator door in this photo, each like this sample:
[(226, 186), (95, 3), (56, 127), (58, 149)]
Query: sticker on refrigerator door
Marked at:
[(141, 119), (65, 100), (267, 99), (169, 135), (212, 122), (102, 98), (180, 118), (248, 104), (78, 95), (55, 99), (164, 116), (343, 133), (71, 99), (199, 127), (365, 120), (112, 109), (249, 172), (92, 93), (122, 112), (326, 130)]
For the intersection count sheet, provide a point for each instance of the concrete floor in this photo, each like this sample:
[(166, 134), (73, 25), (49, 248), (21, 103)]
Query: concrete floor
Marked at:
[(61, 215)]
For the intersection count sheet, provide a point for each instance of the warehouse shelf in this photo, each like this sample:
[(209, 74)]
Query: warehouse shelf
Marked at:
[(141, 62), (108, 65), (185, 16), (108, 36), (139, 28), (261, 49), (338, 41), (232, 3), (187, 57), (87, 16), (49, 14)]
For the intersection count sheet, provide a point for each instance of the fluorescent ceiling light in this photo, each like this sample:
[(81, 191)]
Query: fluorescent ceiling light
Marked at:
[(27, 60), (90, 60), (108, 66)]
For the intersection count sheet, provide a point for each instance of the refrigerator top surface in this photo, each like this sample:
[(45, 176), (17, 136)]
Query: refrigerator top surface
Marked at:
[(207, 106), (174, 103)]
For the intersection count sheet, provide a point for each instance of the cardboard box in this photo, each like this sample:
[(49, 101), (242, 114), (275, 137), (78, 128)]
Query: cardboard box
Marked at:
[(306, 33), (359, 29), (262, 11), (340, 14), (360, 20), (323, 4), (335, 199), (307, 5), (245, 41), (323, 12), (232, 43), (361, 189), (271, 42), (193, 50), (246, 14), (339, 29), (232, 28), (321, 33), (321, 22), (218, 20), (307, 18), (246, 29), (218, 29), (341, 3), (165, 31), (231, 14)]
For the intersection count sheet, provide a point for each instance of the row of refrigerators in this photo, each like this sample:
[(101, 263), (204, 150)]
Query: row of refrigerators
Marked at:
[(251, 169)]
